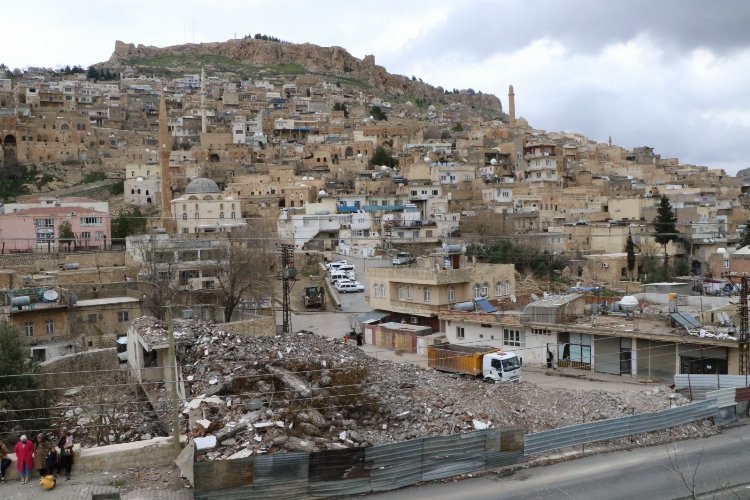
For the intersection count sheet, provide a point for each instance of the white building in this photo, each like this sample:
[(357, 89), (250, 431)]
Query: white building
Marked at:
[(204, 209), (142, 184)]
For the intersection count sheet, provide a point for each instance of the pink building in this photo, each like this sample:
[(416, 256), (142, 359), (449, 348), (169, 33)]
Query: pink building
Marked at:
[(37, 229)]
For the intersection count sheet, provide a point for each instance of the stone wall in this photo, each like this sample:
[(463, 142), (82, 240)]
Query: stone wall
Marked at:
[(260, 326), (29, 262), (156, 452)]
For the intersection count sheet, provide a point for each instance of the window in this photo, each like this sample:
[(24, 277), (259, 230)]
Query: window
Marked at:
[(726, 264), (375, 290), (512, 337), (451, 294), (460, 332), (85, 235), (123, 316), (28, 329), (91, 319), (91, 221), (498, 289), (408, 292), (477, 291), (221, 215), (401, 293), (426, 293), (485, 289), (382, 290), (184, 216), (414, 320), (506, 287), (233, 215), (49, 327)]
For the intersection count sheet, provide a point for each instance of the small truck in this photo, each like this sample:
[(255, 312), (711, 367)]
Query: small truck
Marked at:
[(402, 259), (314, 296), (488, 362)]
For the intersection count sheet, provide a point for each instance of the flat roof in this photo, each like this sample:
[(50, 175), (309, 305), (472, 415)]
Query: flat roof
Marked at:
[(106, 301)]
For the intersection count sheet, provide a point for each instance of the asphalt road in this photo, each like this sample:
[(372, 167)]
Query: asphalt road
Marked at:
[(721, 465)]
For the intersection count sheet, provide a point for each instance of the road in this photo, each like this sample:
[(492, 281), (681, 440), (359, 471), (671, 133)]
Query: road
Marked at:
[(719, 462), (336, 323)]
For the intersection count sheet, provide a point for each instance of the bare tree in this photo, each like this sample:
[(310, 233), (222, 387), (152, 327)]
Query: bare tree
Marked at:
[(243, 268), (158, 265)]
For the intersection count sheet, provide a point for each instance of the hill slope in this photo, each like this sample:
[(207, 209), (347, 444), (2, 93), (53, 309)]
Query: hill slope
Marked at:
[(254, 57)]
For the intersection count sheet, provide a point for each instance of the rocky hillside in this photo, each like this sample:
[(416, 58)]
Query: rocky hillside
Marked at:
[(268, 57)]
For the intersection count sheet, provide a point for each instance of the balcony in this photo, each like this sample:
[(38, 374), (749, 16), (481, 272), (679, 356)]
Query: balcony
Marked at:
[(420, 276)]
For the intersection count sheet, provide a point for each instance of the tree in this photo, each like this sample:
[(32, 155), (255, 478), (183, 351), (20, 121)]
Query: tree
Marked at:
[(458, 127), (745, 240), (378, 114), (24, 406), (131, 221), (92, 73), (382, 157), (158, 265), (243, 270), (630, 251), (65, 234), (665, 226), (340, 106)]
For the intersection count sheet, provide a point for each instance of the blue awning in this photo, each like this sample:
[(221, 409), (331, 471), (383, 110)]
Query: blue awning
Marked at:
[(485, 306)]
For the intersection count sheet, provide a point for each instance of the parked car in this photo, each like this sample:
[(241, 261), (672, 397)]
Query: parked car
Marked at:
[(342, 275), (336, 264), (342, 282), (349, 287)]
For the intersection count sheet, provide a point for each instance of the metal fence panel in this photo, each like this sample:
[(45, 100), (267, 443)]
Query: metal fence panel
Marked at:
[(219, 474), (617, 427), (742, 394), (338, 472), (726, 415), (394, 465), (682, 381), (446, 456), (724, 397)]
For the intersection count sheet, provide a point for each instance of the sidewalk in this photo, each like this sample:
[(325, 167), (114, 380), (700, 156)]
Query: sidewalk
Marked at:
[(84, 485)]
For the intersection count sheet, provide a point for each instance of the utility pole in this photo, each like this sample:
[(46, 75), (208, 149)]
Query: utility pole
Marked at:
[(744, 333), (288, 277), (172, 360)]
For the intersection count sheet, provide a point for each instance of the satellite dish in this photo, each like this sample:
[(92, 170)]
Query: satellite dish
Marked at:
[(322, 194), (493, 162), (50, 295), (628, 303), (359, 155), (427, 159)]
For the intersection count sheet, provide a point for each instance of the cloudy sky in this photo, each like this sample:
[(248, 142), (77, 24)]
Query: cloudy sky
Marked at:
[(671, 74)]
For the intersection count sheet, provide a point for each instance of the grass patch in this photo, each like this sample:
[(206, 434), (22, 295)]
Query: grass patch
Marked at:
[(175, 63)]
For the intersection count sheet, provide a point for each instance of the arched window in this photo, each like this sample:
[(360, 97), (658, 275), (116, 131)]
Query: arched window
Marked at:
[(451, 294), (382, 290), (485, 289), (184, 216), (498, 289), (506, 288), (477, 291), (426, 293), (221, 215), (233, 215)]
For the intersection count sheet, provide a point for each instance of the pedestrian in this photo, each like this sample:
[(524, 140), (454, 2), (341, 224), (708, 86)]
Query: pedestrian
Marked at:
[(4, 461), (550, 358), (41, 450), (24, 458), (51, 462), (65, 443)]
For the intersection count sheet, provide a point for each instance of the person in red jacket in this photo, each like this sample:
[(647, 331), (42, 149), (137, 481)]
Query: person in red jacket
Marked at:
[(24, 458)]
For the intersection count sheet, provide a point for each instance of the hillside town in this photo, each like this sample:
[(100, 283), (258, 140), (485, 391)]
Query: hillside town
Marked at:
[(199, 229)]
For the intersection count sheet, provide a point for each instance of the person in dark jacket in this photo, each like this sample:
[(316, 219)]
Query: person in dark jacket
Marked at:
[(41, 450), (4, 461), (65, 443)]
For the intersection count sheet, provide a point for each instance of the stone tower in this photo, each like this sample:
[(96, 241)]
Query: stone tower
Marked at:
[(165, 147), (203, 101), (511, 107)]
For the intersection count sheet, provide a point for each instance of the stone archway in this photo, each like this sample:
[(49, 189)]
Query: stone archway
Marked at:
[(9, 149)]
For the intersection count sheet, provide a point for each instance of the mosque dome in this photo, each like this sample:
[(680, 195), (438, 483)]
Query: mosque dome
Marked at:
[(202, 185)]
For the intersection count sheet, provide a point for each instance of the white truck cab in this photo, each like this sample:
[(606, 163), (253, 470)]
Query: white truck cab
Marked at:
[(501, 367)]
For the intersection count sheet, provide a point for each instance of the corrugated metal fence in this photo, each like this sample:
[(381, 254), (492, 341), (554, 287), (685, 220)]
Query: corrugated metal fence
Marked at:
[(617, 427), (685, 381), (357, 470), (354, 471)]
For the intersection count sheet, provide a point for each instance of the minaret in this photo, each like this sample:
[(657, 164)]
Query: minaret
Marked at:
[(203, 100), (165, 147), (511, 107)]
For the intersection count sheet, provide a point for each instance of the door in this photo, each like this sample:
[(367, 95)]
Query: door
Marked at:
[(625, 362)]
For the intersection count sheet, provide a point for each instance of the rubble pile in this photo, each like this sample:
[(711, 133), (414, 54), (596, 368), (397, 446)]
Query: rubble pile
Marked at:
[(105, 415), (303, 392)]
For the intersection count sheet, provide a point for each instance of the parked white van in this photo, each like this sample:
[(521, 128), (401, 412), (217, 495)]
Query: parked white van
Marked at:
[(342, 275)]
